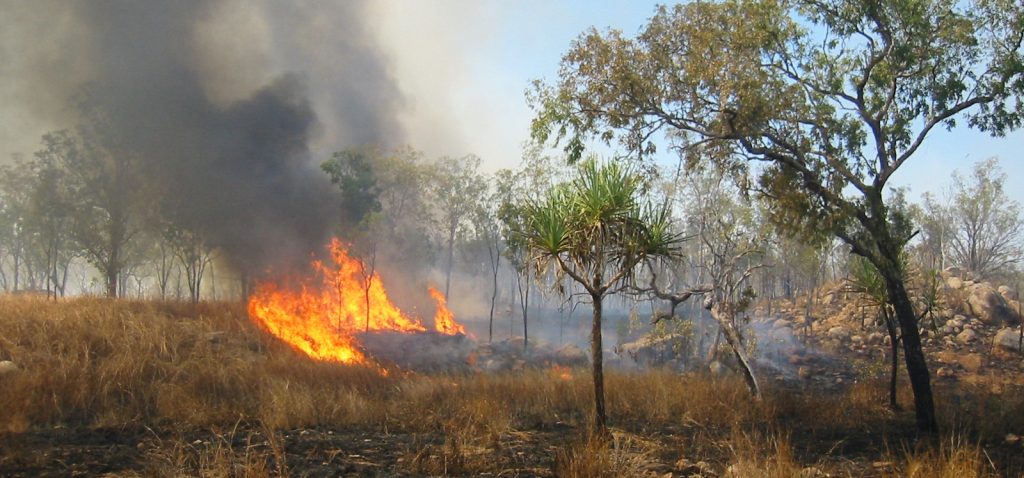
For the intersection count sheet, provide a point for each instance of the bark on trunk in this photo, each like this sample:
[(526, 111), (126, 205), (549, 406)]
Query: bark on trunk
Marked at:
[(111, 275), (917, 366), (597, 358)]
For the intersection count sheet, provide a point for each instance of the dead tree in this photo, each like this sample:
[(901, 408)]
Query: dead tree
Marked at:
[(729, 265)]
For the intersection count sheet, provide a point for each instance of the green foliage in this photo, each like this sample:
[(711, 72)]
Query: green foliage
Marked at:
[(834, 96), (351, 170), (595, 228)]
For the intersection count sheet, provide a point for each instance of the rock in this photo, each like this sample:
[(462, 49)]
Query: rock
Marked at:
[(954, 282), (967, 336), (944, 372), (653, 351), (970, 362), (857, 339), (1007, 341), (987, 305), (839, 333), (8, 368)]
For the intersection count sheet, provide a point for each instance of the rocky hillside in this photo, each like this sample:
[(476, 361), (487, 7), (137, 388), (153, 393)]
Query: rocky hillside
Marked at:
[(971, 335)]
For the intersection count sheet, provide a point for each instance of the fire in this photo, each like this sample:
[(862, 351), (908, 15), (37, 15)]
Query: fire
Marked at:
[(444, 321), (322, 320), (561, 372)]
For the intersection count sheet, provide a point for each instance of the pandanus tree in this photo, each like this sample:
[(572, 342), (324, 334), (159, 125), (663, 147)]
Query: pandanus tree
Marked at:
[(595, 230)]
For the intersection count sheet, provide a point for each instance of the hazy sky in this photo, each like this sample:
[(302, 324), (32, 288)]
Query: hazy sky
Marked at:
[(460, 66)]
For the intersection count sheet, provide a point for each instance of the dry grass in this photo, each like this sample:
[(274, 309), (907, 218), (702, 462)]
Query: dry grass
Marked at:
[(175, 367)]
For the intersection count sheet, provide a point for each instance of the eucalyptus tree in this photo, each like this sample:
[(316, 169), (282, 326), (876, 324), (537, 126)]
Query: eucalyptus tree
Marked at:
[(987, 225), (829, 97), (596, 230), (455, 188)]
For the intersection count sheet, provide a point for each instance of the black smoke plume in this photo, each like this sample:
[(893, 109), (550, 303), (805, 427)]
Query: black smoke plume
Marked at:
[(241, 167)]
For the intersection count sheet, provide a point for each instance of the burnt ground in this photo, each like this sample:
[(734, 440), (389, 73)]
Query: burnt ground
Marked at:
[(242, 449)]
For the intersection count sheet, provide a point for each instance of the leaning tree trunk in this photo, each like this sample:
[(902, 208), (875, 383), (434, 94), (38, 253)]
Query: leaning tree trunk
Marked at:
[(597, 359), (917, 366), (732, 337)]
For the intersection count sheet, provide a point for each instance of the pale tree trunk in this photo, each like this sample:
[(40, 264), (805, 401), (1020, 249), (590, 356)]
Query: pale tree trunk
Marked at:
[(732, 337), (495, 256), (451, 256)]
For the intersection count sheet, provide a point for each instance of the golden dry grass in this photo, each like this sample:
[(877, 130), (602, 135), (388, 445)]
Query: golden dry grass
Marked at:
[(101, 363)]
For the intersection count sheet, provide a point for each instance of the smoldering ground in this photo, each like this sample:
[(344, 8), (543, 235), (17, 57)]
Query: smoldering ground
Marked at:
[(228, 106)]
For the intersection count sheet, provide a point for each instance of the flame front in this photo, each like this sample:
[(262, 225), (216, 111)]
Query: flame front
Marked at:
[(322, 320), (444, 321)]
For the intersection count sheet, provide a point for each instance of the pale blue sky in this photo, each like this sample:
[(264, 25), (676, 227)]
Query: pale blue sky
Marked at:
[(498, 47)]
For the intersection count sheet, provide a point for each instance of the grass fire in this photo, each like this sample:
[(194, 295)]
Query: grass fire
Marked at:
[(711, 239), (322, 317)]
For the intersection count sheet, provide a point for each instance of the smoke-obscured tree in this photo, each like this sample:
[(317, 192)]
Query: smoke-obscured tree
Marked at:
[(52, 208), (987, 225), (489, 229), (830, 98), (108, 188), (456, 185), (352, 172), (193, 254), (596, 230), (537, 173), (16, 182)]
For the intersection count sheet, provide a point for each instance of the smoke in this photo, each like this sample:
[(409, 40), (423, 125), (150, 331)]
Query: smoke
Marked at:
[(229, 105)]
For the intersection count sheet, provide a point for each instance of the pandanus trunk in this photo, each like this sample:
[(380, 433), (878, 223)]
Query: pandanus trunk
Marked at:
[(597, 358)]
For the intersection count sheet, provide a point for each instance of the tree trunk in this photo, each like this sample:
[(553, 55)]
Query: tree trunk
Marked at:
[(451, 256), (732, 337), (597, 359), (111, 276), (495, 266), (524, 302), (917, 366)]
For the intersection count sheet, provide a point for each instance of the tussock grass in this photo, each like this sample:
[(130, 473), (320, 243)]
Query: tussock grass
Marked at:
[(99, 363)]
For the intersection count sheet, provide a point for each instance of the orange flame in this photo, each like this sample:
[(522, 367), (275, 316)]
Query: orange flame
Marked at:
[(561, 371), (444, 321), (322, 321)]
